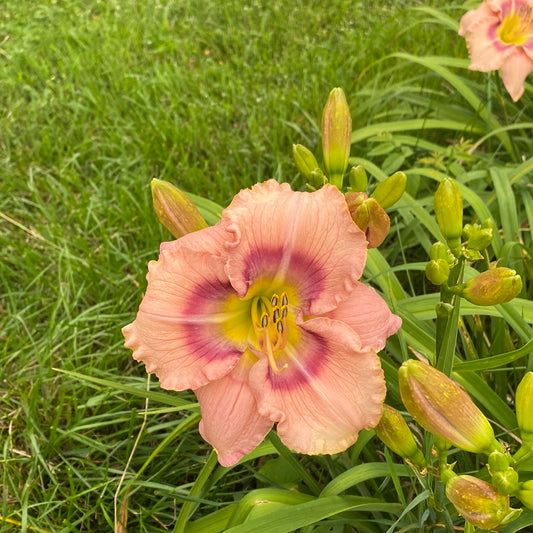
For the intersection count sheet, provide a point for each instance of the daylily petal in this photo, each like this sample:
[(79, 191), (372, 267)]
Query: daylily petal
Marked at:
[(486, 50), (483, 13), (514, 72), (368, 315), (179, 331), (307, 240), (230, 420), (330, 390)]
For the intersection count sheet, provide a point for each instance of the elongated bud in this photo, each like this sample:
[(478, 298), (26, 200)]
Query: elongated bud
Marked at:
[(478, 502), (394, 432), (305, 160), (438, 271), (525, 493), (174, 210), (336, 136), (494, 286), (442, 407), (358, 179), (524, 408), (369, 216), (390, 190), (448, 207)]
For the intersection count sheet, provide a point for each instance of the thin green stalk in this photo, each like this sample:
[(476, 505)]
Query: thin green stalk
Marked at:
[(448, 322)]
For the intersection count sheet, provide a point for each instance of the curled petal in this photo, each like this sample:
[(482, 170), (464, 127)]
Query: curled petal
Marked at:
[(230, 420), (483, 14), (368, 315), (306, 240), (180, 331), (330, 390)]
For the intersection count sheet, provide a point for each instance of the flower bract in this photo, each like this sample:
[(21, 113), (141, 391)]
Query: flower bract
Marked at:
[(499, 35), (263, 316)]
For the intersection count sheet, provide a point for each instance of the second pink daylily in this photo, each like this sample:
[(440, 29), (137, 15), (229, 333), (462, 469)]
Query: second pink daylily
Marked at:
[(263, 316), (499, 35)]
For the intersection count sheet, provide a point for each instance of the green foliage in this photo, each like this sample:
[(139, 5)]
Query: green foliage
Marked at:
[(99, 98)]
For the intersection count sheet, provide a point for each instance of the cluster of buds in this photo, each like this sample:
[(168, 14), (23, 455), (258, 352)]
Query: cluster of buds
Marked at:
[(368, 211), (494, 286), (443, 408)]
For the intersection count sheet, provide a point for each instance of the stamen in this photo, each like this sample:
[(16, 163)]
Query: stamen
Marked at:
[(269, 320)]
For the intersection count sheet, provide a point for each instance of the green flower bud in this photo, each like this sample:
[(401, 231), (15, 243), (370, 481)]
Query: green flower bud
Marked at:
[(442, 407), (439, 251), (477, 501), (478, 238), (317, 178), (174, 210), (438, 271), (524, 408), (525, 493), (305, 160), (393, 431), (336, 136), (504, 477), (358, 179), (494, 286), (390, 190), (369, 216), (448, 207)]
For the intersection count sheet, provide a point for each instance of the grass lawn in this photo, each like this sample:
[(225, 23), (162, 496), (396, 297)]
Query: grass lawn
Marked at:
[(98, 98)]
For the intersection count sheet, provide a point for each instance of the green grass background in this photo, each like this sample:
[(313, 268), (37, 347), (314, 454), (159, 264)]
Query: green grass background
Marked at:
[(99, 97)]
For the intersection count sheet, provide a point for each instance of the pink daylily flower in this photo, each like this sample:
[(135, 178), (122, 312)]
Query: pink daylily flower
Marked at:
[(263, 316), (499, 35)]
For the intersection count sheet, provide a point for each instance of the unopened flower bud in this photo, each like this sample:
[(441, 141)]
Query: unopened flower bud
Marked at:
[(394, 432), (448, 207), (438, 271), (442, 407), (494, 286), (305, 160), (390, 190), (369, 216), (524, 408), (504, 476), (440, 251), (358, 179), (336, 136), (174, 210), (477, 501), (317, 178), (478, 237), (525, 493)]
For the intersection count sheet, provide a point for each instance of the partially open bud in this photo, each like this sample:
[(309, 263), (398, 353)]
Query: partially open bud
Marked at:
[(358, 179), (524, 408), (369, 216), (394, 432), (448, 207), (525, 493), (305, 160), (438, 271), (336, 136), (442, 407), (494, 286), (174, 210), (478, 502), (390, 190)]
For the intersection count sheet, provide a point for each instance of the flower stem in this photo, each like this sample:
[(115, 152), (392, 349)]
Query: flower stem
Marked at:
[(447, 323)]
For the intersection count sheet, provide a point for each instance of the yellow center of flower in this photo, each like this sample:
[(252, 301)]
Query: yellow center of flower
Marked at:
[(264, 320), (516, 27)]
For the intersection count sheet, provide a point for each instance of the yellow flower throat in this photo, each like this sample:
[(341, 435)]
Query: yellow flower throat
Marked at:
[(516, 27)]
